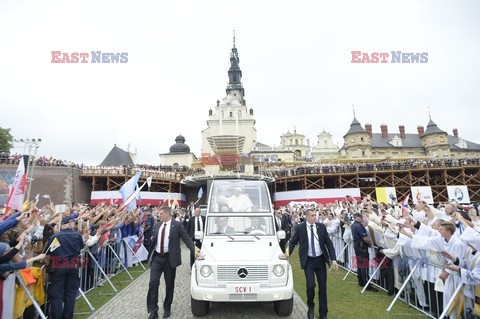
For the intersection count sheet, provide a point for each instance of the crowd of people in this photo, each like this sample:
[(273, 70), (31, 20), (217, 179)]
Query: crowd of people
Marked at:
[(328, 168), (14, 159), (443, 240), (28, 241)]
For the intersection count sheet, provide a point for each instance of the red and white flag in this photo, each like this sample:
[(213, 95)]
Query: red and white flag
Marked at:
[(15, 199)]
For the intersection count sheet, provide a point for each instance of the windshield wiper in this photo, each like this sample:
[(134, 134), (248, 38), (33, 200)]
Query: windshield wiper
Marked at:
[(218, 233), (247, 233)]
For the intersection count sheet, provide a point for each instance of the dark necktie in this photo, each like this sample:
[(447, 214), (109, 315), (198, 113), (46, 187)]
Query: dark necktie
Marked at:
[(198, 223), (312, 241), (162, 238)]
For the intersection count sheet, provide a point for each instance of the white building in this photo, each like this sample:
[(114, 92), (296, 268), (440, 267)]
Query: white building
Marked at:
[(297, 143), (325, 147)]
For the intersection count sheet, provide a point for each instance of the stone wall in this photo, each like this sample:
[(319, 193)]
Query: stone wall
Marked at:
[(63, 184)]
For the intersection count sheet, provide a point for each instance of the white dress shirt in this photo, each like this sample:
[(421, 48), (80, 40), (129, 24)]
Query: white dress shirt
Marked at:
[(318, 250), (165, 239), (278, 220), (198, 220)]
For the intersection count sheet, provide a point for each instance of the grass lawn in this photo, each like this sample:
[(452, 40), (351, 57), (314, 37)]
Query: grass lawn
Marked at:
[(345, 299), (99, 296)]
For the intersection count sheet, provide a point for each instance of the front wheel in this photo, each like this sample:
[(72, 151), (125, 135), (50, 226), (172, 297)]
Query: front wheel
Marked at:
[(199, 307), (283, 307)]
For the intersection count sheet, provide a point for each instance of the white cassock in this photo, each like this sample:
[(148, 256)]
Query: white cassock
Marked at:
[(456, 248), (239, 203), (430, 272), (333, 229), (348, 239), (470, 268), (392, 250), (414, 256)]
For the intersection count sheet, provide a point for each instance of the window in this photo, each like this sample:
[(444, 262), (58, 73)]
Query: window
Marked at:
[(354, 154), (435, 153), (363, 153), (353, 139), (445, 153), (231, 114), (432, 140), (362, 139)]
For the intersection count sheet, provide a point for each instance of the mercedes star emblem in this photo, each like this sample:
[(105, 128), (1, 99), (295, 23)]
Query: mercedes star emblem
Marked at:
[(242, 273)]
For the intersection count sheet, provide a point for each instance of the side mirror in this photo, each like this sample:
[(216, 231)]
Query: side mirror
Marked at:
[(281, 234), (198, 235)]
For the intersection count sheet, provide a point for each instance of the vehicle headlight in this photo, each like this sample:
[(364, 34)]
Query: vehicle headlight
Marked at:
[(205, 271), (278, 270)]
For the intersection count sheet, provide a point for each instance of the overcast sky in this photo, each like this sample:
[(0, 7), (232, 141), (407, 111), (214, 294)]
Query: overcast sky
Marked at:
[(295, 57)]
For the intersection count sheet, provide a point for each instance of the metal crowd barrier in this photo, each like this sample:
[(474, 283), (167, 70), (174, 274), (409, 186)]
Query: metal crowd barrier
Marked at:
[(416, 275), (94, 270)]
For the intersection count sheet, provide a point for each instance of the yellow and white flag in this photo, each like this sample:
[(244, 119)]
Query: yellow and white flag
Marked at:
[(175, 202), (54, 245)]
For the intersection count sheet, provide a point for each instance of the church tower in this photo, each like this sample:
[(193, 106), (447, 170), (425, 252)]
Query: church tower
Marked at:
[(230, 124)]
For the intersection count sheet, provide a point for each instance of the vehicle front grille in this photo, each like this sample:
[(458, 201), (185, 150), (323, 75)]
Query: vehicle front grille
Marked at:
[(255, 273)]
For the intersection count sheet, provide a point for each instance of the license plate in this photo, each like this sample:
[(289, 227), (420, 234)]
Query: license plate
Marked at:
[(243, 289)]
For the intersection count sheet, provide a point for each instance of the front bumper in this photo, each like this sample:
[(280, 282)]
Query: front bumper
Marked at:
[(265, 294)]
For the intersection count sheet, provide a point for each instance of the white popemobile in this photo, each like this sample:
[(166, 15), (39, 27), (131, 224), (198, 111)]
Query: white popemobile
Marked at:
[(239, 260)]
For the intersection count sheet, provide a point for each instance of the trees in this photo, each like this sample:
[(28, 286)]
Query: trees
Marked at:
[(5, 140)]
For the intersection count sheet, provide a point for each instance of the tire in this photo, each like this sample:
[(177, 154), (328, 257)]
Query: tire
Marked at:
[(283, 307), (199, 307)]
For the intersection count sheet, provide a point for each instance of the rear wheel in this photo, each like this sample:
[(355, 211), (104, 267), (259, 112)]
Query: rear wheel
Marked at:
[(199, 307), (283, 307)]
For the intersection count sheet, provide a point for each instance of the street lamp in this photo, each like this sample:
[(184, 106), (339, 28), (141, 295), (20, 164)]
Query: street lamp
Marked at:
[(33, 144)]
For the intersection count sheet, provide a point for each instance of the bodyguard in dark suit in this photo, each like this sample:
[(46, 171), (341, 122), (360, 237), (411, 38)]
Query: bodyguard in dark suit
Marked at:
[(195, 223), (316, 249), (166, 257), (280, 224)]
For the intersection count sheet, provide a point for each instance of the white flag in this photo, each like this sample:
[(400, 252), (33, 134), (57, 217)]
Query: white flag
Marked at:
[(200, 193), (37, 198), (149, 181), (46, 196)]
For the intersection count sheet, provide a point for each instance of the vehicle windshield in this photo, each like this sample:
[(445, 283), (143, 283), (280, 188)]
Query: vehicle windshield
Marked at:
[(240, 225), (239, 196)]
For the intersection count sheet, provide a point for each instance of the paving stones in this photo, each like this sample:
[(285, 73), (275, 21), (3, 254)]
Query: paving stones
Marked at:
[(131, 302)]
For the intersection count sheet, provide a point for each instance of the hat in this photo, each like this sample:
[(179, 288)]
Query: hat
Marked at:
[(357, 215), (67, 219)]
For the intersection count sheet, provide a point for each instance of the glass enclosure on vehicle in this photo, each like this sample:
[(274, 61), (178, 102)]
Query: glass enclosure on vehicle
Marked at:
[(239, 196), (240, 225)]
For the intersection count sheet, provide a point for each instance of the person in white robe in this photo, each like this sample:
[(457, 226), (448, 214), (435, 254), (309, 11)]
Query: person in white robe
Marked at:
[(448, 241)]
